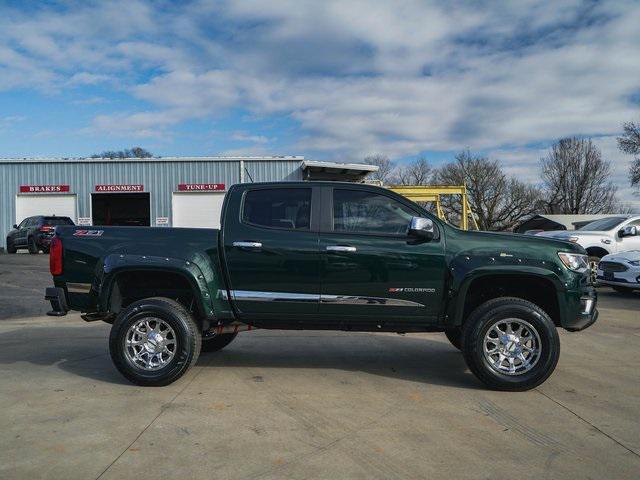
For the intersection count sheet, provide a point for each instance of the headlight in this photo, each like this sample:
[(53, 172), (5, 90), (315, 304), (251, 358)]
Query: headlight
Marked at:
[(574, 261), (573, 239)]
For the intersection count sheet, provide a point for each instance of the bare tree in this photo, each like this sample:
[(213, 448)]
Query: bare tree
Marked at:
[(497, 201), (385, 166), (629, 142), (576, 179), (135, 152), (417, 172)]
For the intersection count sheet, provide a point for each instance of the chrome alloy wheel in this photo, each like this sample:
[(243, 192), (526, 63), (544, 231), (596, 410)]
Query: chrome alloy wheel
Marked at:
[(150, 344), (512, 346)]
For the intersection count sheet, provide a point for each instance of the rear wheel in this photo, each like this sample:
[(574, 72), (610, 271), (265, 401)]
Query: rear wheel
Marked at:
[(217, 342), (154, 341), (11, 247), (33, 247), (510, 344)]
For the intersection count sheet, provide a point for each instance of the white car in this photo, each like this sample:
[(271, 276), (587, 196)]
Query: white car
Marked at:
[(604, 236), (620, 271)]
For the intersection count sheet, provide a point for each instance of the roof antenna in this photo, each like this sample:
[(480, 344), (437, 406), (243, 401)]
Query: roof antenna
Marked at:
[(248, 174)]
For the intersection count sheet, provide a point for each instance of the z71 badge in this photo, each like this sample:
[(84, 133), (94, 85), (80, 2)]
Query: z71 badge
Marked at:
[(88, 233), (411, 290)]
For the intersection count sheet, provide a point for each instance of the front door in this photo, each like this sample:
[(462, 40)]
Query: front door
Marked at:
[(23, 231), (626, 244), (271, 253), (371, 270)]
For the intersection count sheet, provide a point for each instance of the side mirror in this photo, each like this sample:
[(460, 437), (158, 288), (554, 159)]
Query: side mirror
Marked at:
[(420, 227), (15, 226), (628, 231)]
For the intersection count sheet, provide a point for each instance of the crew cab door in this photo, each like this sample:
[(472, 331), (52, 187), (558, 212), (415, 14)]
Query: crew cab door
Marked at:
[(371, 270), (270, 239), (23, 231)]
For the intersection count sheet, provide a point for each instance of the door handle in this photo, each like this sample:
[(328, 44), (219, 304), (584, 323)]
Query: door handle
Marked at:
[(340, 248), (254, 245)]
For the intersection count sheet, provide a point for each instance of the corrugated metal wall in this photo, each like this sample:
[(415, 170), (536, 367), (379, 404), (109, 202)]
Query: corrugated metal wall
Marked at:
[(160, 178)]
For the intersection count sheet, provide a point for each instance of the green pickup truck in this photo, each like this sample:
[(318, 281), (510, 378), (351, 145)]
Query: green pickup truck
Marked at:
[(323, 256)]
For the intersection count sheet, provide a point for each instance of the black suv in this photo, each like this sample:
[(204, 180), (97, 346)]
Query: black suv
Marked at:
[(34, 233)]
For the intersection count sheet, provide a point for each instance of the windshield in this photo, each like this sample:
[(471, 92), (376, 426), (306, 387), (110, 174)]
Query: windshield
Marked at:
[(603, 224)]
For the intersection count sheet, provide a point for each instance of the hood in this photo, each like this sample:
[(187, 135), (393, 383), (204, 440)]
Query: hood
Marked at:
[(513, 242), (630, 256), (565, 234)]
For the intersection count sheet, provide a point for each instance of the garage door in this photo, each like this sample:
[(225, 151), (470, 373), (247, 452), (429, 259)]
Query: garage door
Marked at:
[(197, 209), (59, 205)]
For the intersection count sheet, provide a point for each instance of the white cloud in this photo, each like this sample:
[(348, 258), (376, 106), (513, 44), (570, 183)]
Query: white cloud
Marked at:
[(356, 77), (243, 137)]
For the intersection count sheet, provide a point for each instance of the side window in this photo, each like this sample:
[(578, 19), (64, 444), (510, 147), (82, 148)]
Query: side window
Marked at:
[(288, 208), (368, 212), (23, 223), (634, 223)]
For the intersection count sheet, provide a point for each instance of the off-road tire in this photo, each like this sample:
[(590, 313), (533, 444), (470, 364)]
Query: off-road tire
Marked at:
[(188, 339), (33, 247), (10, 247), (454, 335), (217, 342), (480, 322), (622, 289)]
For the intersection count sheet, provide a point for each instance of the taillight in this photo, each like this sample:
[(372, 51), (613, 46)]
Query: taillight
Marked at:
[(47, 228), (55, 256)]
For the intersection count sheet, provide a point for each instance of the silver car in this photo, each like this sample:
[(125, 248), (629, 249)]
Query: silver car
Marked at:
[(621, 271)]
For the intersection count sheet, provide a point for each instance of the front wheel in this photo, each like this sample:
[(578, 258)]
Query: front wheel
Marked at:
[(33, 247), (622, 289), (454, 335), (510, 344), (154, 341), (11, 247)]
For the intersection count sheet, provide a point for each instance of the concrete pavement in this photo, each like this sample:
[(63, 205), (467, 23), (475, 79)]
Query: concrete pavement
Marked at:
[(317, 405), (312, 405)]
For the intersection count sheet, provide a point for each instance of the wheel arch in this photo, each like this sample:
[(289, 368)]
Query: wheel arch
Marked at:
[(124, 280), (540, 288)]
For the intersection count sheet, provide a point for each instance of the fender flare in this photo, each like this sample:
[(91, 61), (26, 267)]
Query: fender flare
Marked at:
[(113, 265), (460, 288)]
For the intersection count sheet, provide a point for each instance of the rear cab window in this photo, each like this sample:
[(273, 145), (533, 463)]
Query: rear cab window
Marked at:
[(282, 208)]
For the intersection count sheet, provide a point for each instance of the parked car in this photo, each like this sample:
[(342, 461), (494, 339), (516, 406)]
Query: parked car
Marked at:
[(34, 233), (621, 271), (328, 256), (603, 236)]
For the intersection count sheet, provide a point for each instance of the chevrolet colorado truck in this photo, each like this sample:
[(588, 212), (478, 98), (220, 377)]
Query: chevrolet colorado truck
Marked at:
[(323, 255)]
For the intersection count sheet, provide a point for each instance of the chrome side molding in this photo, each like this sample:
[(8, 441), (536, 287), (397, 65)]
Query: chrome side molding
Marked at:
[(258, 296)]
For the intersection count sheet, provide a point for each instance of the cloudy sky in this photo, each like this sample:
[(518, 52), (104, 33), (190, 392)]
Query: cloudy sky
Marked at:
[(328, 80)]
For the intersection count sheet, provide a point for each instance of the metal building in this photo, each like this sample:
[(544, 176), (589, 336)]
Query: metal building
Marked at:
[(172, 191)]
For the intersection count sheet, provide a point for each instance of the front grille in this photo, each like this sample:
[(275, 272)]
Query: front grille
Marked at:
[(612, 267)]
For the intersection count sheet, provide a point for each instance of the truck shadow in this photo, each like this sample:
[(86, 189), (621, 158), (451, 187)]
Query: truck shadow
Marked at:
[(83, 351)]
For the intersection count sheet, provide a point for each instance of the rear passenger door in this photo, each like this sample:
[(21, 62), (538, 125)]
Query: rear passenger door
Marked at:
[(270, 237)]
